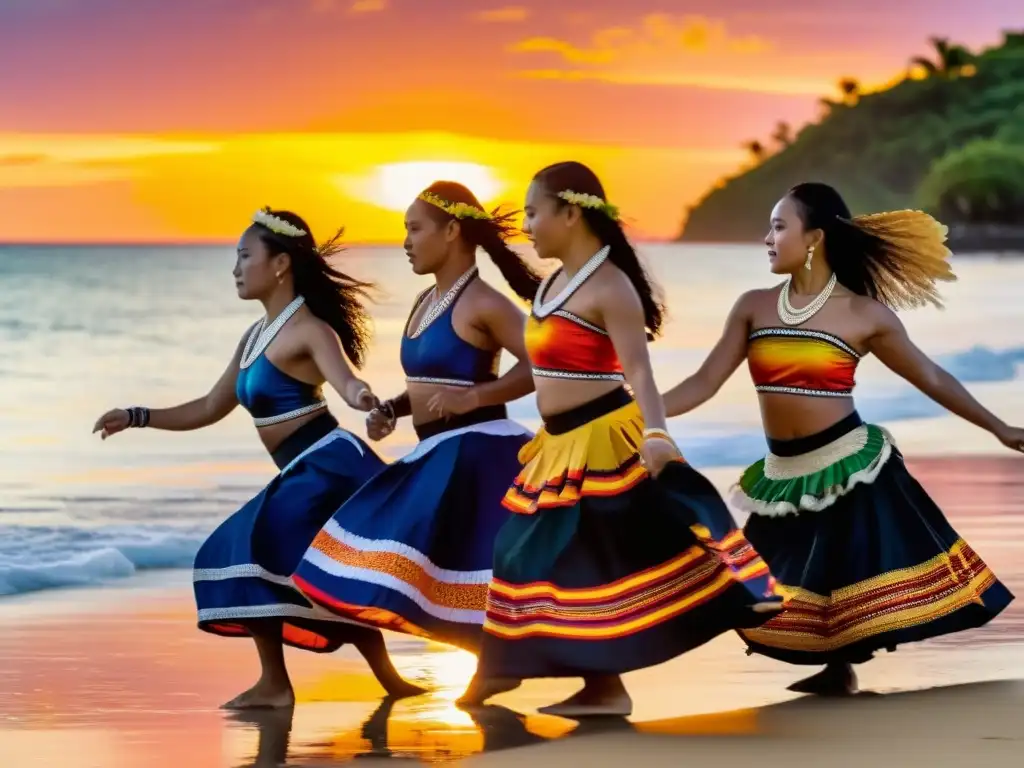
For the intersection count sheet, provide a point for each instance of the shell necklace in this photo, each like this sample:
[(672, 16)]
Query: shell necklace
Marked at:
[(263, 334), (793, 316), (542, 309), (438, 309)]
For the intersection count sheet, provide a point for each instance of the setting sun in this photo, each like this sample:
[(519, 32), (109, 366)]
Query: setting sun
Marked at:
[(395, 185)]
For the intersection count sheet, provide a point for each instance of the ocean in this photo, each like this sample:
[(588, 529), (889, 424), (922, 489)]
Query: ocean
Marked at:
[(84, 329)]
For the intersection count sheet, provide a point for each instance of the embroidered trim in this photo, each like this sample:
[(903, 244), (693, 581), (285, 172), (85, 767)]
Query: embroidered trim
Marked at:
[(807, 502), (266, 421), (271, 610), (777, 389), (805, 333), (542, 309), (553, 373), (580, 321), (436, 380)]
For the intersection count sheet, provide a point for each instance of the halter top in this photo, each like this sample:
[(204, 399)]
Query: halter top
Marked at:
[(269, 394), (798, 361), (435, 354), (562, 345)]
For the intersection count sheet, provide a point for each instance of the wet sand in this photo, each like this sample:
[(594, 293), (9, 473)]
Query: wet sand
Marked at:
[(120, 678)]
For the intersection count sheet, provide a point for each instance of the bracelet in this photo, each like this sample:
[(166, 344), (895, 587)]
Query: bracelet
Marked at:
[(658, 433), (400, 406), (138, 417)]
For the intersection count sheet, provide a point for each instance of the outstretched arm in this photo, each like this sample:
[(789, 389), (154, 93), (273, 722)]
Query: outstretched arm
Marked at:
[(195, 414), (891, 344), (325, 349), (716, 369)]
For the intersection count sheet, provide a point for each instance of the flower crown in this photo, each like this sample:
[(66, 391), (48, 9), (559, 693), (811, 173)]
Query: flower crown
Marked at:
[(458, 210), (276, 224), (590, 201)]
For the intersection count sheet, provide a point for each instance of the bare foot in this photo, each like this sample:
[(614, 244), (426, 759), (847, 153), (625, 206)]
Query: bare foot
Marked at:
[(591, 702), (263, 696), (402, 689), (833, 680), (481, 689)]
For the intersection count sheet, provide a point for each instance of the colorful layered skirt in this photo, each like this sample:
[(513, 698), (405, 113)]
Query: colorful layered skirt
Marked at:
[(412, 550), (863, 557), (602, 569), (243, 571)]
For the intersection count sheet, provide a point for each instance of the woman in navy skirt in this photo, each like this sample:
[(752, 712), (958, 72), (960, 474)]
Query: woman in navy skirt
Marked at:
[(314, 319), (863, 557), (412, 550)]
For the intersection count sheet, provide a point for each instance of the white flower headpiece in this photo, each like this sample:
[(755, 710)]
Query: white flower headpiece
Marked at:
[(276, 225), (589, 201)]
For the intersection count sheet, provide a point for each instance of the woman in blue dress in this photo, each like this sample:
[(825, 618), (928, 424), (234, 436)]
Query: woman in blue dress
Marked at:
[(411, 551), (314, 320)]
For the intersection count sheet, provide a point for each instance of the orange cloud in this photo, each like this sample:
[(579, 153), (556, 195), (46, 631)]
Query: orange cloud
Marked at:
[(508, 14), (663, 50), (789, 86), (368, 6)]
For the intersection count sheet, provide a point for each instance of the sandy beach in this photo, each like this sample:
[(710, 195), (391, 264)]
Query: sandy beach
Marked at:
[(120, 678)]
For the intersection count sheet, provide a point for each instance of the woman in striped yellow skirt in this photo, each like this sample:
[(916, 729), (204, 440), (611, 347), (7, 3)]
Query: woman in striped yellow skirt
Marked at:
[(604, 570)]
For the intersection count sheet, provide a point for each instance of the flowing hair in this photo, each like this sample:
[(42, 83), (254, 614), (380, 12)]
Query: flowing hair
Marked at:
[(896, 257), (331, 295), (490, 234), (606, 225)]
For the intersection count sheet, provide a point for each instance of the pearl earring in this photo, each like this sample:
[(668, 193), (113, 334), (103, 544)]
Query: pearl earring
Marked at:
[(810, 255)]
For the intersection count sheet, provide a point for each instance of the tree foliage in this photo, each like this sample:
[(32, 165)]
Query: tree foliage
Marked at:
[(982, 182), (878, 149)]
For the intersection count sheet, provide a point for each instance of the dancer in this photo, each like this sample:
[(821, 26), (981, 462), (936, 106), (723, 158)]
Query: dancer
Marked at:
[(242, 571), (863, 556), (602, 570), (412, 550)]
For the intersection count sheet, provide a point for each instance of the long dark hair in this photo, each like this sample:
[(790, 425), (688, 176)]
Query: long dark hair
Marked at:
[(607, 227), (896, 257), (490, 234), (330, 294)]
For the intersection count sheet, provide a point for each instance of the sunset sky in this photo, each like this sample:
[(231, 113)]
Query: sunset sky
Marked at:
[(152, 120)]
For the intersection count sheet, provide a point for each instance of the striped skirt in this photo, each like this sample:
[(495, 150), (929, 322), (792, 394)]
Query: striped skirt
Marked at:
[(864, 558), (603, 569), (243, 570), (412, 550)]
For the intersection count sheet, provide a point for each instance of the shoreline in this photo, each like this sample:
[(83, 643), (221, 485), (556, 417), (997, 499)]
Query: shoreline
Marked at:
[(137, 685)]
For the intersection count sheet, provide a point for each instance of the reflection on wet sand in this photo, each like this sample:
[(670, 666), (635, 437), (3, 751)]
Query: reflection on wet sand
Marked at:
[(421, 731)]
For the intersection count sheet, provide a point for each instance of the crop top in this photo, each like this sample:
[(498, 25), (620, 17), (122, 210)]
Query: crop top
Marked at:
[(436, 354), (269, 394), (798, 361), (562, 345)]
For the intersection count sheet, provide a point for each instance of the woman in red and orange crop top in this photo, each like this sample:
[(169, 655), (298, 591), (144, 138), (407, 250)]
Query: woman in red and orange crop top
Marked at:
[(863, 556), (602, 570)]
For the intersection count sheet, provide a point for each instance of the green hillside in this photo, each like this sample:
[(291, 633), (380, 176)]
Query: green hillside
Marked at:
[(949, 139)]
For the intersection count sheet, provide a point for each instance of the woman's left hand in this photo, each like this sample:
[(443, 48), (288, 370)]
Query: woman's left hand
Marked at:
[(656, 452), (453, 403)]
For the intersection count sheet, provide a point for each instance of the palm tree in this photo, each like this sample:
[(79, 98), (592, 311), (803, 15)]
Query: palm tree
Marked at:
[(850, 88), (756, 149), (783, 135), (950, 59)]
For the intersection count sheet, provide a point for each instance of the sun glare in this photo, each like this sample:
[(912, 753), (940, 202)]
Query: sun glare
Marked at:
[(395, 185)]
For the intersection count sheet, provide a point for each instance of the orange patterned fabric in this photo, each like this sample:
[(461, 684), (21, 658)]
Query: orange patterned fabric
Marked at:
[(801, 362), (565, 344)]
